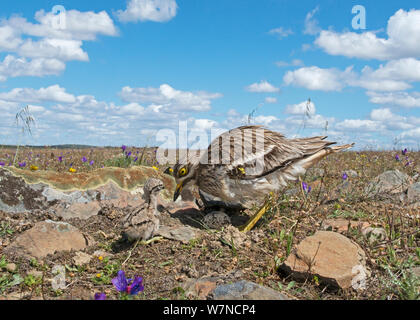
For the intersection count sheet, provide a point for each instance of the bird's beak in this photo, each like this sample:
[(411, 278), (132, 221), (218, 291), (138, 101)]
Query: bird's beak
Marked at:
[(177, 191)]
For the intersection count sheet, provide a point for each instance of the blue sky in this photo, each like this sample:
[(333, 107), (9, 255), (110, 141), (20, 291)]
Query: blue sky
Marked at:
[(117, 72)]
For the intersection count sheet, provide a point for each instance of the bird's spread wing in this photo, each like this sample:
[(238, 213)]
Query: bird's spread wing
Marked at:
[(249, 152)]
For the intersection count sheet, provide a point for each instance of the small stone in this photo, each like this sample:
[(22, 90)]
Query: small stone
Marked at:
[(35, 273), (216, 220), (232, 234), (374, 234), (413, 193), (351, 173), (47, 237), (245, 290), (333, 258), (102, 253), (81, 258), (183, 234), (11, 267)]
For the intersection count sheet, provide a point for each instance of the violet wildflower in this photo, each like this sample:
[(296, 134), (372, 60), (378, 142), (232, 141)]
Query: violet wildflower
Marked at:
[(60, 159), (100, 296), (2, 163), (91, 162), (130, 286), (306, 187), (22, 164), (404, 152), (345, 176), (127, 154), (136, 158), (397, 157), (123, 147), (84, 159)]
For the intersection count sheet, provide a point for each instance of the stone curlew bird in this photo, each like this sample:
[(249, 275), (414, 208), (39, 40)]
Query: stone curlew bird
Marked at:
[(243, 165), (143, 222)]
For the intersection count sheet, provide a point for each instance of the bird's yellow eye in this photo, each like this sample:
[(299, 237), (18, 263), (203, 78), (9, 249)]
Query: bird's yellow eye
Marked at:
[(182, 172)]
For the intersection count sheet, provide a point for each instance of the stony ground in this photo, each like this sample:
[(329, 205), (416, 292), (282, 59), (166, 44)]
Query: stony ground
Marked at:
[(363, 211)]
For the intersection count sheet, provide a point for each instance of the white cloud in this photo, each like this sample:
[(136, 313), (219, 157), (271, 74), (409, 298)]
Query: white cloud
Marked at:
[(357, 124), (144, 10), (311, 24), (403, 40), (315, 78), (402, 99), (48, 44), (51, 93), (17, 67), (262, 86), (301, 108), (281, 32), (170, 99)]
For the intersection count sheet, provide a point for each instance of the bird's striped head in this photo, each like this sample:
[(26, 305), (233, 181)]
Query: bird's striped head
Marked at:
[(184, 173)]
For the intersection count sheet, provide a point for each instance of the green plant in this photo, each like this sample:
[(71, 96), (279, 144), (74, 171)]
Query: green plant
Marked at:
[(405, 284), (5, 229)]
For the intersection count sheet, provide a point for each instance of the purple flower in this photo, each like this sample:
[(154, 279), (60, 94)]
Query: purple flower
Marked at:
[(127, 154), (84, 159), (91, 162), (136, 158), (123, 147), (22, 164), (100, 296), (345, 176), (2, 163), (130, 286), (397, 157), (60, 159), (404, 151), (306, 187)]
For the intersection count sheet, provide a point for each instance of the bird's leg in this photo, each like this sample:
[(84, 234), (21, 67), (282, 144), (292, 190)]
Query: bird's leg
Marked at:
[(254, 219), (154, 239)]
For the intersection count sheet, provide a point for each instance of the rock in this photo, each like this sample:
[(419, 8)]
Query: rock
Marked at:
[(232, 234), (183, 234), (374, 234), (245, 290), (341, 225), (81, 258), (101, 253), (351, 173), (333, 258), (413, 193), (11, 267), (390, 182), (416, 271), (47, 237), (216, 220), (34, 273), (76, 195)]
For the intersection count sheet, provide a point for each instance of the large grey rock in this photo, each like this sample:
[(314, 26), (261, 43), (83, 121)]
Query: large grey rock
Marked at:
[(413, 193), (333, 258), (245, 290), (390, 182), (179, 233), (47, 237)]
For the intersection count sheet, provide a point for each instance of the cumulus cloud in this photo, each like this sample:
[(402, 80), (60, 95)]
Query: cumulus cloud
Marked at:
[(42, 48), (315, 78), (270, 100), (403, 40), (52, 93), (302, 108), (152, 10), (170, 99), (401, 99), (262, 86)]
